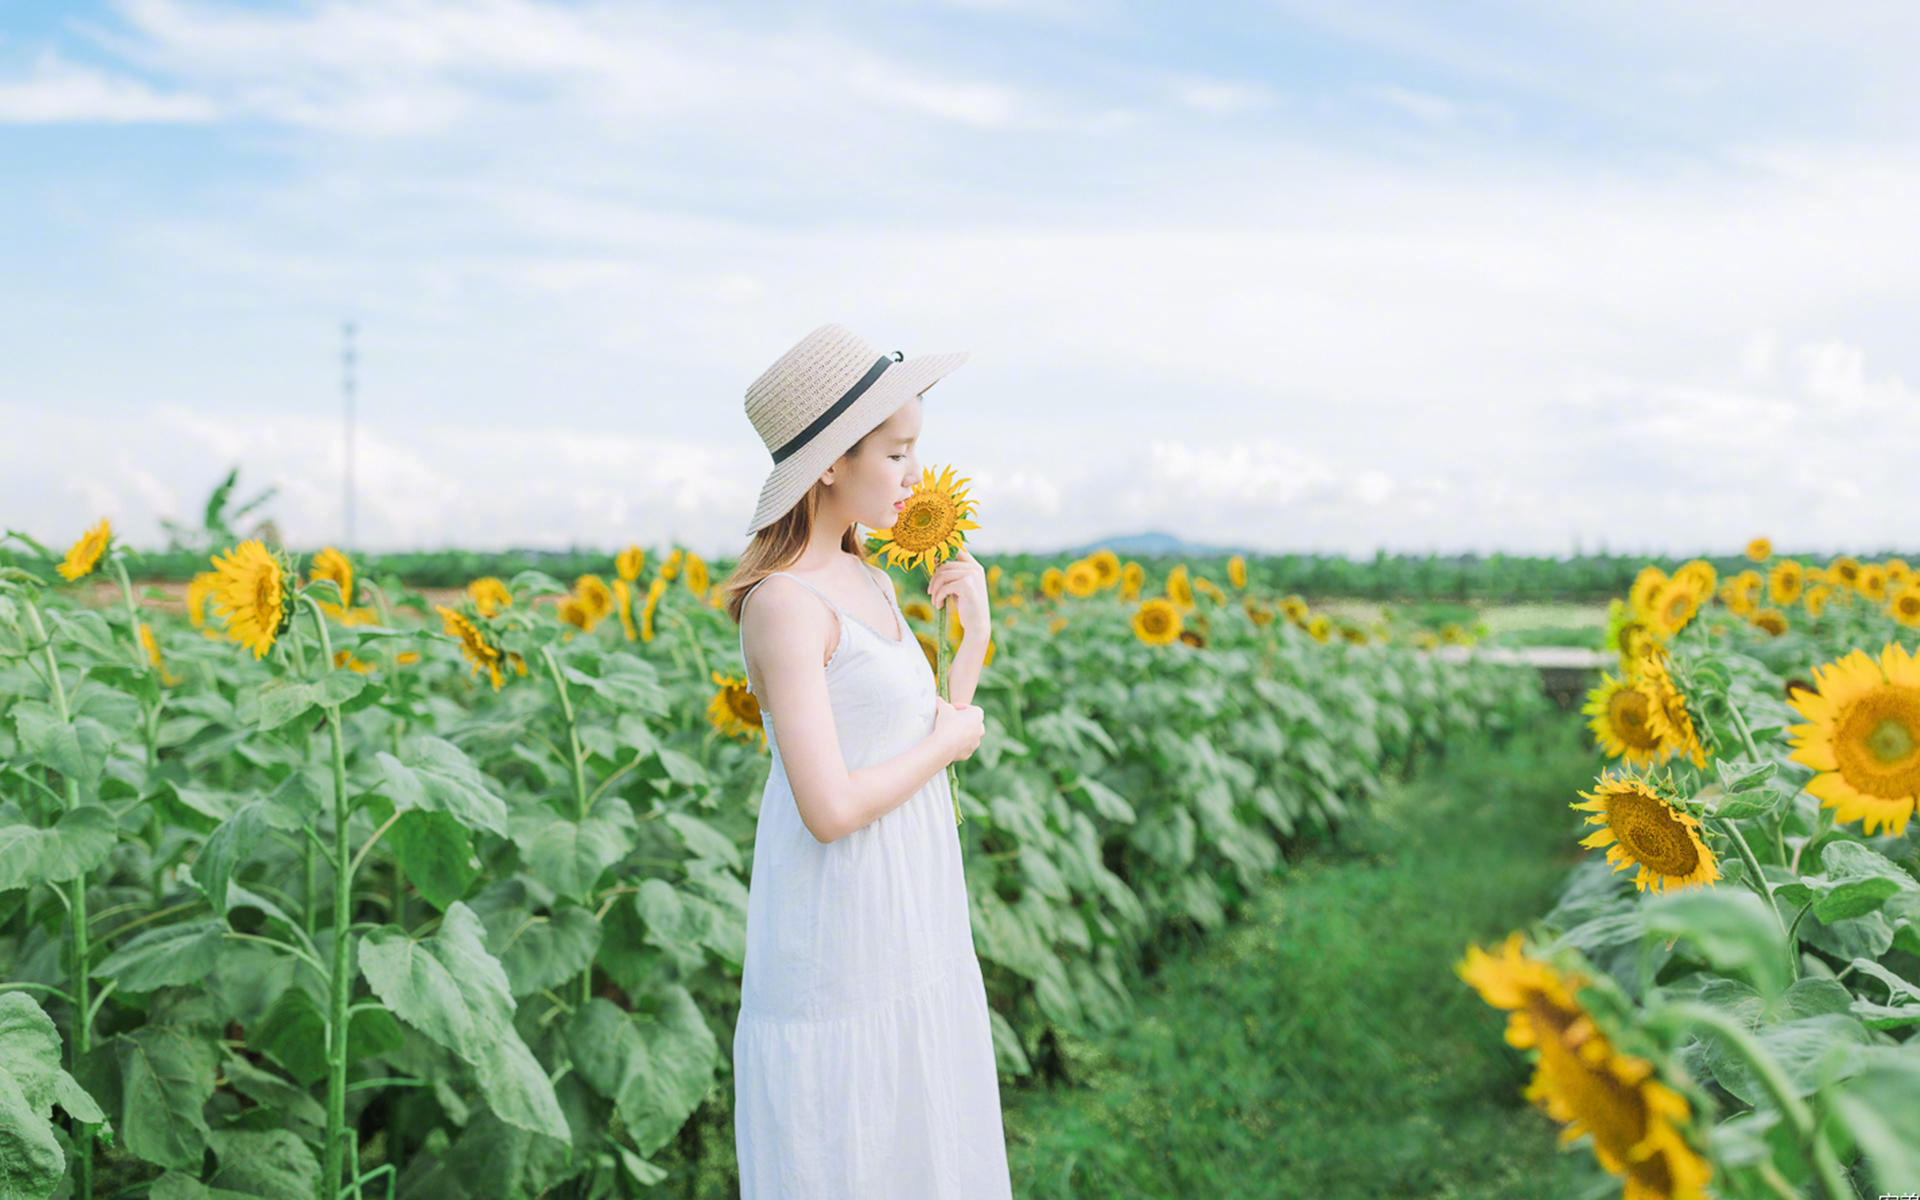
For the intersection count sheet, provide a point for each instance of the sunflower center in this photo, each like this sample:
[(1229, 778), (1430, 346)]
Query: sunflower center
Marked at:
[(1650, 831), (1878, 744), (1627, 713)]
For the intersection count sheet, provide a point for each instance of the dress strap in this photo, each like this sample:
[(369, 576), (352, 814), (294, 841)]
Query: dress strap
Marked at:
[(743, 625)]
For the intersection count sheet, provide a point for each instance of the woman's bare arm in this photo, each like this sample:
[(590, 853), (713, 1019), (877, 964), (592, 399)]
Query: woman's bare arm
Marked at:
[(790, 629)]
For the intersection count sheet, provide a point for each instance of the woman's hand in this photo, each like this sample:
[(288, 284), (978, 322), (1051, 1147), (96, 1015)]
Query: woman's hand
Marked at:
[(964, 579)]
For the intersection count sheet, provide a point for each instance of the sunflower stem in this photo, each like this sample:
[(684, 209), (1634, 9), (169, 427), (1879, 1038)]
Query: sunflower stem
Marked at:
[(579, 780), (943, 683), (1833, 1180), (1763, 889), (133, 615), (80, 1035), (340, 985)]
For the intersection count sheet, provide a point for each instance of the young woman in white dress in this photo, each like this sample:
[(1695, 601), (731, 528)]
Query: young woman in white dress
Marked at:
[(863, 1056)]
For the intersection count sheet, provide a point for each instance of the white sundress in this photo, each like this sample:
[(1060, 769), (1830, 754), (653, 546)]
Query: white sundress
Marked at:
[(863, 1065)]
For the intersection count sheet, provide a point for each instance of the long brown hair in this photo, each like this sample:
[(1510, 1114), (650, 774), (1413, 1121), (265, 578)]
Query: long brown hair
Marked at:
[(780, 544)]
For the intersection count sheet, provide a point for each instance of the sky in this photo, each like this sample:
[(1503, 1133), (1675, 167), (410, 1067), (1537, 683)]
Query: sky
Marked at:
[(1329, 276)]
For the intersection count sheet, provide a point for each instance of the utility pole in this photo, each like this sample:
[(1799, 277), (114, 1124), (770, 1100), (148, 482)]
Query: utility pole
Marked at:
[(346, 388)]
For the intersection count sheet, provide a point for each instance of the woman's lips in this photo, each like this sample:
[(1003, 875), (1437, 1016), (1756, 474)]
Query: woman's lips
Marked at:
[(899, 505)]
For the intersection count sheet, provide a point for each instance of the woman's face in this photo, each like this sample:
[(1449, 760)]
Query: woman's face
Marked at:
[(884, 471)]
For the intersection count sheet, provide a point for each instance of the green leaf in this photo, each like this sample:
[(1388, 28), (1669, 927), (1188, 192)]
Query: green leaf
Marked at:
[(703, 840), (175, 1186), (1743, 775), (30, 1054), (78, 842), (449, 988), (30, 1160), (1730, 928), (434, 774), (85, 629), (170, 956), (226, 848), (166, 1079), (570, 856), (285, 699), (1107, 802), (1809, 1052), (436, 854), (1880, 1110), (542, 951), (654, 1066), (271, 1163), (77, 748)]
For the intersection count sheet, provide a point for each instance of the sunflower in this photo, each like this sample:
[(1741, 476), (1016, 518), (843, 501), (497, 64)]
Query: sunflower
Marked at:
[(993, 578), (1898, 572), (1863, 736), (927, 645), (696, 574), (1772, 620), (1760, 549), (1873, 583), (1259, 613), (1053, 583), (1194, 638), (1082, 579), (1320, 628), (331, 564), (254, 590), (1640, 595), (1425, 639), (1057, 624), (1905, 607), (575, 611), (406, 658), (489, 595), (199, 588), (595, 595), (670, 569), (1673, 606), (623, 592), (654, 592), (1353, 634), (1295, 609), (1581, 1080), (734, 711), (1844, 569), (1620, 712), (1132, 577), (628, 562), (1237, 571), (1815, 599), (1452, 634), (932, 527), (345, 658), (1785, 581), (1643, 828), (1202, 584), (86, 553), (1107, 565), (1669, 716), (1179, 589), (475, 645), (917, 610), (1157, 622), (167, 678), (1702, 575)]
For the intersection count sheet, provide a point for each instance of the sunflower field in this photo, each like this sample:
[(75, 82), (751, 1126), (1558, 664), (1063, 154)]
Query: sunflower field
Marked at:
[(1740, 1022), (322, 890)]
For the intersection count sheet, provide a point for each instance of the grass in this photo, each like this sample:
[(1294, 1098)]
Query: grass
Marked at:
[(1325, 1048)]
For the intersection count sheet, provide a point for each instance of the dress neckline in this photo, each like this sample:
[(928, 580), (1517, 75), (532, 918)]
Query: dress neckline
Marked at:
[(899, 618)]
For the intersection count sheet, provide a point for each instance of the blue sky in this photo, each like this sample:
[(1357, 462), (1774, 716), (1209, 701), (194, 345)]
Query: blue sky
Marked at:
[(1300, 275)]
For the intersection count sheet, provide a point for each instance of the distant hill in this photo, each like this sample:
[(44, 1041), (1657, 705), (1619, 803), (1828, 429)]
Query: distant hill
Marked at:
[(1150, 543)]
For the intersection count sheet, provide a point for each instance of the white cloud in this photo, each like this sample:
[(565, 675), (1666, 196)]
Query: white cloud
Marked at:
[(58, 91), (1224, 96)]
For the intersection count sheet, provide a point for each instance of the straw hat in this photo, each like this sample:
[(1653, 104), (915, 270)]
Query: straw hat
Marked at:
[(822, 396)]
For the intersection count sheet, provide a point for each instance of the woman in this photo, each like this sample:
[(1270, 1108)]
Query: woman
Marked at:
[(863, 1059)]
